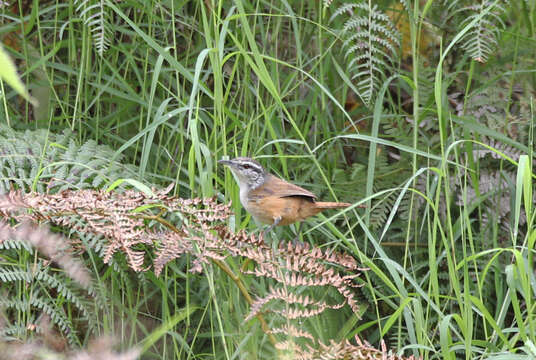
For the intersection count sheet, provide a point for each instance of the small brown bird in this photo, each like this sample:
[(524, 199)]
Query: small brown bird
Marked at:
[(271, 200)]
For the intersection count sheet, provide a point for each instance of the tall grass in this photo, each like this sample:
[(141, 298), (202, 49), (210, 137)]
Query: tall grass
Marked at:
[(181, 84)]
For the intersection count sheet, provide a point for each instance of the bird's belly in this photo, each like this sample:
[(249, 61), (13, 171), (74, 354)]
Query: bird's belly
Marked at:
[(261, 216), (289, 209)]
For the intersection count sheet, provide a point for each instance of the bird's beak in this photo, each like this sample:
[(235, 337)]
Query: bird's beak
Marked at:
[(225, 162)]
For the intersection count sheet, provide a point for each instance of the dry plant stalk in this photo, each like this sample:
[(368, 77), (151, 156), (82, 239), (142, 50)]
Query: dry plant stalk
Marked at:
[(134, 223)]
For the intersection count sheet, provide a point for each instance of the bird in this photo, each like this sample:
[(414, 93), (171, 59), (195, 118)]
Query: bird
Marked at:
[(271, 200)]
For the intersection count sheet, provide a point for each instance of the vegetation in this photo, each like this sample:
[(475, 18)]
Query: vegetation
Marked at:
[(116, 219)]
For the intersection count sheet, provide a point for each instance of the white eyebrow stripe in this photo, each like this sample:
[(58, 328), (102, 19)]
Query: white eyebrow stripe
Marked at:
[(252, 164)]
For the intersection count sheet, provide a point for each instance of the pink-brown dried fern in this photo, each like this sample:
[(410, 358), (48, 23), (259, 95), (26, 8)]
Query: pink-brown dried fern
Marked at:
[(134, 223)]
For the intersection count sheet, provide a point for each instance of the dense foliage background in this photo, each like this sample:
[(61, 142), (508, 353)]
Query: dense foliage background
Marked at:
[(421, 110)]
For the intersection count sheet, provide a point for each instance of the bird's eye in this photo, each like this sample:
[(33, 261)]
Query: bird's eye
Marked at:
[(246, 166)]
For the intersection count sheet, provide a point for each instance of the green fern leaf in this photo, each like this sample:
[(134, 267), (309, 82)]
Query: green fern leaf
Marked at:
[(46, 162), (371, 43), (481, 40), (95, 17)]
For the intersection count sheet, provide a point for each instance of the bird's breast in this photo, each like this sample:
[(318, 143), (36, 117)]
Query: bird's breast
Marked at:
[(244, 197)]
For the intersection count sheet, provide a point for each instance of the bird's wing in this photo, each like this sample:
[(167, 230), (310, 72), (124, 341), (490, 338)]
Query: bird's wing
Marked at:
[(286, 189)]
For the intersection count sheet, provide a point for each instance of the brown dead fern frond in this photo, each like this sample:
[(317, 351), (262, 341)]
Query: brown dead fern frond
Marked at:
[(296, 265), (134, 223), (170, 247), (337, 350), (293, 332), (308, 306), (115, 216)]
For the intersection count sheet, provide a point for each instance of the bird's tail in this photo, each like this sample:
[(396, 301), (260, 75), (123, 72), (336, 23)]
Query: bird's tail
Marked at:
[(331, 205)]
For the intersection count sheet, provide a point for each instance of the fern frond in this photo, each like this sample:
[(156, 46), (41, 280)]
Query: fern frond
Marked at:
[(65, 291), (59, 318), (95, 17), (371, 43), (52, 245), (10, 274), (47, 163), (15, 244), (499, 146), (343, 349), (481, 39), (51, 281)]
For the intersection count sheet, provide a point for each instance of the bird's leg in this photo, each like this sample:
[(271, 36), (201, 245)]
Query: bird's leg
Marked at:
[(269, 228), (298, 229)]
